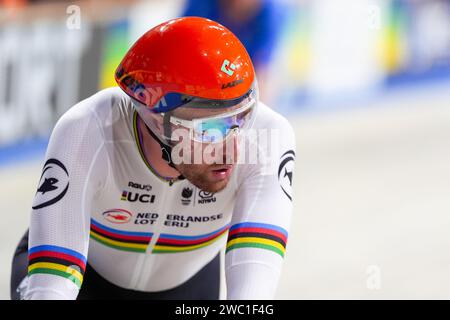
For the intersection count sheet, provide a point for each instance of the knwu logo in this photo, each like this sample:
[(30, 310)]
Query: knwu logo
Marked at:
[(134, 196), (206, 197), (228, 70)]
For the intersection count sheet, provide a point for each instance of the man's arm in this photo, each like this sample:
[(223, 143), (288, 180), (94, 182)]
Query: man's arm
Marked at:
[(74, 170), (261, 218)]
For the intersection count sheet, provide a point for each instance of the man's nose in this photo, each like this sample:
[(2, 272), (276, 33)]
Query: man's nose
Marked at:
[(230, 149)]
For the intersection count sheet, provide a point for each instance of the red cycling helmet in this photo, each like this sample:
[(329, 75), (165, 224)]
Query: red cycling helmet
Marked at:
[(188, 56), (188, 64)]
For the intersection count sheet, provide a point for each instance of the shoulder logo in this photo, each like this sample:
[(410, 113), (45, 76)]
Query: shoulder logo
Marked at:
[(285, 172), (48, 185), (53, 184), (228, 68)]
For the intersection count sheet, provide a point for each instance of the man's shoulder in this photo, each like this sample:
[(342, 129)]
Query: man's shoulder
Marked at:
[(94, 113), (102, 106), (267, 118), (101, 103), (273, 135)]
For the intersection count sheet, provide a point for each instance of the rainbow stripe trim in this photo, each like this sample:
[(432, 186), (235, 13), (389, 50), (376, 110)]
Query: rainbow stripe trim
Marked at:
[(57, 261), (169, 243), (141, 151), (120, 240), (257, 235)]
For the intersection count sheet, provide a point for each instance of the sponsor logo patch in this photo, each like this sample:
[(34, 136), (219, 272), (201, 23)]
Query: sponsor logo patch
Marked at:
[(206, 197), (146, 218), (53, 184), (232, 83), (137, 197), (117, 216), (285, 172), (227, 67), (186, 195), (140, 186)]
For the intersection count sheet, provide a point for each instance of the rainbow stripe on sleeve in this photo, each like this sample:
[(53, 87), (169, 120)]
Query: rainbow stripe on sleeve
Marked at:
[(58, 261), (257, 235), (168, 243)]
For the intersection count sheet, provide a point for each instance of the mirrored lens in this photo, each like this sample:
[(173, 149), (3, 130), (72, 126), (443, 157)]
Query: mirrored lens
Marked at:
[(217, 129)]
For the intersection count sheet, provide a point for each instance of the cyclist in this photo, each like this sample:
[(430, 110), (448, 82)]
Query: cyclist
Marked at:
[(126, 209)]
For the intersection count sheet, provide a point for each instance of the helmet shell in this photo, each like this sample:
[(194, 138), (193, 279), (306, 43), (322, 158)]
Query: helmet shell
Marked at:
[(191, 56)]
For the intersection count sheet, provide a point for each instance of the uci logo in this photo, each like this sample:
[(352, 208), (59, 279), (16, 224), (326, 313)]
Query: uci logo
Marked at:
[(228, 70), (133, 197)]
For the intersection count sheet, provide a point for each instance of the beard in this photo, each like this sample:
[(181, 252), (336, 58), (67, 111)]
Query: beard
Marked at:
[(212, 177)]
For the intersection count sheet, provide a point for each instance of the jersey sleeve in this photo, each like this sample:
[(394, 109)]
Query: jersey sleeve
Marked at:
[(74, 172), (259, 228)]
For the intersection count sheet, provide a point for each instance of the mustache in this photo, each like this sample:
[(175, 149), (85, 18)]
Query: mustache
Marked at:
[(218, 166)]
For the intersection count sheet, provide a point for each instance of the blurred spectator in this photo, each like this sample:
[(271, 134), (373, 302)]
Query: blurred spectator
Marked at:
[(257, 23)]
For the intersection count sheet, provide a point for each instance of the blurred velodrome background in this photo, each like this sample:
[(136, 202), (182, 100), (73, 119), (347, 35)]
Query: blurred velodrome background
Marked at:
[(366, 85)]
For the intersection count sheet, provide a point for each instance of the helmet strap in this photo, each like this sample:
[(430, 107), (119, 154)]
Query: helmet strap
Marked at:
[(166, 151)]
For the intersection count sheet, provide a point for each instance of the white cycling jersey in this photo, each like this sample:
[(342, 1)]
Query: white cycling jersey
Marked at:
[(99, 200)]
